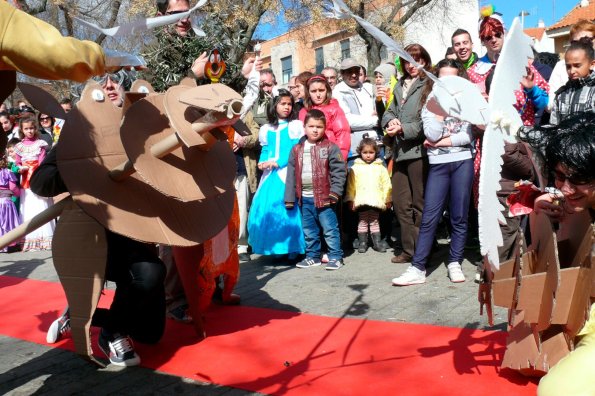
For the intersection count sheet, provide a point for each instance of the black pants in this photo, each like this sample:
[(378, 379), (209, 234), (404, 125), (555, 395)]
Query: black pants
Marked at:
[(138, 308)]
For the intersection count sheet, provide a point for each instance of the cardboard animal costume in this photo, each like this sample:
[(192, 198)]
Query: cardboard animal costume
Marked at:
[(139, 177)]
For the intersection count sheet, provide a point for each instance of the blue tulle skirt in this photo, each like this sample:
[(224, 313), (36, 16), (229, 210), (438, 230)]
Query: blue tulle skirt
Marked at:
[(273, 229)]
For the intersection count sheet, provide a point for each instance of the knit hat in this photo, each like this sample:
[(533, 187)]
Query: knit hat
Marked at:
[(387, 70)]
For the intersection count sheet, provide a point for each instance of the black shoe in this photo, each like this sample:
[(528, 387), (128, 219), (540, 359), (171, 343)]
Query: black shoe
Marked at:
[(118, 348), (244, 257)]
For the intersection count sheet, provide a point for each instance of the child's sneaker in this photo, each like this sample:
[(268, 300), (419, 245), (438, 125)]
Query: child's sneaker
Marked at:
[(308, 262), (334, 264), (411, 276), (118, 348), (59, 328), (455, 273)]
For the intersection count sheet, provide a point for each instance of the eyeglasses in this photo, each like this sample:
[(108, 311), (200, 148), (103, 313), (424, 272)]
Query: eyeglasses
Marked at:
[(175, 12), (116, 78), (575, 180), (489, 38), (353, 70)]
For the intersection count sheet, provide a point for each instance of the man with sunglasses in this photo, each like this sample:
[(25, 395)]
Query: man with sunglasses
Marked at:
[(568, 151)]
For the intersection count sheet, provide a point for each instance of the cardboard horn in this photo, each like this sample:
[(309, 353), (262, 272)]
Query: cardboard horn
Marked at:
[(90, 146), (42, 100), (184, 173), (197, 130), (186, 105)]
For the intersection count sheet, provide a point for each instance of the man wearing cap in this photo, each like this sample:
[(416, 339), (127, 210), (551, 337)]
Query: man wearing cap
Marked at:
[(357, 101)]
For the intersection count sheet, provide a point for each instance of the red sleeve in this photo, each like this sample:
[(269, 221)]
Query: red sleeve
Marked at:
[(302, 115), (341, 131)]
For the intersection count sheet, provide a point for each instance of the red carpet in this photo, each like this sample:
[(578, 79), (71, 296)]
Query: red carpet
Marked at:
[(279, 352)]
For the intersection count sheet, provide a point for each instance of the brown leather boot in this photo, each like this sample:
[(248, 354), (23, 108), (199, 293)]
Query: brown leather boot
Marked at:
[(401, 259)]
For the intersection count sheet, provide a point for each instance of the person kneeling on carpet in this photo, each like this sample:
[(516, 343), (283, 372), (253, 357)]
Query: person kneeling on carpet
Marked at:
[(316, 175), (569, 152), (138, 308)]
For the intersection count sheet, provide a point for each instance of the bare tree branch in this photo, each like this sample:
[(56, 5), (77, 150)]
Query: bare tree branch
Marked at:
[(115, 9)]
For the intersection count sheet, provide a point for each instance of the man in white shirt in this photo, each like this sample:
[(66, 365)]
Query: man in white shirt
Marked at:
[(357, 101)]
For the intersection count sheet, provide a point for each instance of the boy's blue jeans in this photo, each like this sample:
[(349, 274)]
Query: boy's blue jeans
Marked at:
[(313, 220)]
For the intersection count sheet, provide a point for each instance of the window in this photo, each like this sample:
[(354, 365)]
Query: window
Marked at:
[(345, 52), (286, 69), (319, 60)]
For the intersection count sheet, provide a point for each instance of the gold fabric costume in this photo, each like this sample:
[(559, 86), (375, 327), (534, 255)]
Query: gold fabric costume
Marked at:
[(37, 49)]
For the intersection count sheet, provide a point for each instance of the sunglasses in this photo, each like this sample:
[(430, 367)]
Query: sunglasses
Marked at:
[(175, 12), (44, 118), (116, 78), (575, 180), (489, 38)]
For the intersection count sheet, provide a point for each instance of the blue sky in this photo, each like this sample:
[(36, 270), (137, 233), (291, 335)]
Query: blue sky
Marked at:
[(538, 9)]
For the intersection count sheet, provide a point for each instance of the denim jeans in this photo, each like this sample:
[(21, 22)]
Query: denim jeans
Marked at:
[(450, 181), (314, 219)]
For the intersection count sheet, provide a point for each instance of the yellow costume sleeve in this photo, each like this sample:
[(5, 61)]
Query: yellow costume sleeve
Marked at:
[(37, 49), (573, 375)]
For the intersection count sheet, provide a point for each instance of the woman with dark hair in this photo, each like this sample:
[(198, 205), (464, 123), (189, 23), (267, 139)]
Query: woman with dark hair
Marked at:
[(46, 128), (273, 229), (448, 141), (319, 96), (300, 82), (569, 154), (403, 124)]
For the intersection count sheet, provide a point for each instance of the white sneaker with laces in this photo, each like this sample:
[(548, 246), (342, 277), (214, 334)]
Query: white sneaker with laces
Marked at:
[(455, 273), (411, 276)]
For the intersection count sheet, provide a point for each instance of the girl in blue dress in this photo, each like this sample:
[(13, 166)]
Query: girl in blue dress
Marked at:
[(273, 229)]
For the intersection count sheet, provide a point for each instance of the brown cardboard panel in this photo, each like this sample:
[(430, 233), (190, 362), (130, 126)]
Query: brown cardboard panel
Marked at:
[(182, 116), (42, 100), (130, 98), (186, 174), (506, 269), (8, 83), (565, 294), (551, 351), (79, 251), (528, 262), (90, 147), (142, 86), (503, 292), (531, 296), (188, 82), (521, 347), (186, 106), (579, 307)]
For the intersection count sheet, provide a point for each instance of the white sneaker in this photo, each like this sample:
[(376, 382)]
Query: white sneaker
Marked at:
[(411, 276), (455, 273)]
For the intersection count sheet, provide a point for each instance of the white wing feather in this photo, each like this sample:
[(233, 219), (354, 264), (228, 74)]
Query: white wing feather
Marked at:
[(504, 118), (142, 24)]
